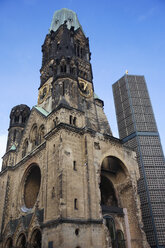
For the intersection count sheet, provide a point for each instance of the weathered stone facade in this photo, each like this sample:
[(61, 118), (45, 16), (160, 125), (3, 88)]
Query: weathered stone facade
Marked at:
[(70, 183)]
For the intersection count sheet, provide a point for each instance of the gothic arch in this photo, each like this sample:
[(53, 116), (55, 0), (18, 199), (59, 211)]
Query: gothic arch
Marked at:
[(9, 243), (21, 241), (25, 115), (34, 136), (110, 224), (36, 238), (25, 148), (72, 68), (63, 66), (116, 235), (120, 239), (41, 134)]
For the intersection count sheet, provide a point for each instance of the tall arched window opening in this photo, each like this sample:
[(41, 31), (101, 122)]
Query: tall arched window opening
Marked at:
[(25, 148), (9, 243), (21, 242), (111, 228), (36, 239), (108, 197), (34, 136), (120, 239), (41, 134)]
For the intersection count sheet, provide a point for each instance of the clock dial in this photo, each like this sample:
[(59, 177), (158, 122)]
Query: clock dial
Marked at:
[(85, 88)]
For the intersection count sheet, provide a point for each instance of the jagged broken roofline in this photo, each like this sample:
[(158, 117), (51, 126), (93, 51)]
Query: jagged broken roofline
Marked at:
[(62, 15)]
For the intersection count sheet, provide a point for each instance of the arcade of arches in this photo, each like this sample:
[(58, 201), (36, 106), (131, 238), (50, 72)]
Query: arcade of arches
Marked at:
[(21, 242)]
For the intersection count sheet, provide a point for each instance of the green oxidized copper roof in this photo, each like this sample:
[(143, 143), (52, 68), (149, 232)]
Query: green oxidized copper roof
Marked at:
[(41, 110), (12, 148), (62, 15), (96, 96)]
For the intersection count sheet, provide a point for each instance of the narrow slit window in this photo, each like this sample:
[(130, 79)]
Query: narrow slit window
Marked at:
[(61, 68), (14, 136), (16, 119), (78, 51), (23, 119), (75, 49), (81, 52), (71, 118), (55, 121), (74, 166), (63, 88), (74, 121), (75, 204), (64, 68)]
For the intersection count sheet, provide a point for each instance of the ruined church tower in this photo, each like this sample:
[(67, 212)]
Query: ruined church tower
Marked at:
[(65, 180)]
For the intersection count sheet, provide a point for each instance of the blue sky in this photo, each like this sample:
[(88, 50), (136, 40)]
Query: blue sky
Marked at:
[(123, 35)]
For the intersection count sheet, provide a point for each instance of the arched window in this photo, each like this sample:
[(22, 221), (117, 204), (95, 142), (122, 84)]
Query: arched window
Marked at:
[(36, 239), (9, 243), (21, 242), (81, 52), (85, 75), (117, 238), (111, 227), (14, 135), (33, 136), (78, 51), (74, 121), (75, 49), (108, 197), (16, 119), (58, 45), (23, 119), (74, 166), (72, 70), (25, 148), (63, 88), (120, 239), (63, 68), (56, 121), (41, 134), (71, 119), (75, 203), (24, 116), (81, 73), (112, 170)]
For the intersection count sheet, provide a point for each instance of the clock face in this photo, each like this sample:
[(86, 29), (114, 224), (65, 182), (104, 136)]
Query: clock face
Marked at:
[(43, 93), (85, 88)]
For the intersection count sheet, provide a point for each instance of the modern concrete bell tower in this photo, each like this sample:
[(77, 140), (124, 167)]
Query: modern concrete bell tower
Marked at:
[(138, 130)]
